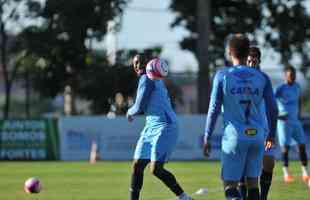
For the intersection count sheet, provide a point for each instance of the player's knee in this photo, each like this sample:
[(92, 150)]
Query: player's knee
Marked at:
[(268, 163), (155, 170), (138, 167)]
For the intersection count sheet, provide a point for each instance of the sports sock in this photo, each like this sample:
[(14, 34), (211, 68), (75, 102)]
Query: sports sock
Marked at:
[(265, 183), (137, 180), (303, 157), (285, 171), (253, 194), (232, 194), (285, 159), (169, 180), (242, 188), (304, 170), (136, 185)]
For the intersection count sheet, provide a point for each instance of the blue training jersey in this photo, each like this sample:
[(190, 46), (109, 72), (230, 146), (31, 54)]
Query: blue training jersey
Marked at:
[(288, 100), (153, 100), (242, 91)]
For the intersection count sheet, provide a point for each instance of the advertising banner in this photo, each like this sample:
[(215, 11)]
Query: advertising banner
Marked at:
[(29, 140), (116, 138)]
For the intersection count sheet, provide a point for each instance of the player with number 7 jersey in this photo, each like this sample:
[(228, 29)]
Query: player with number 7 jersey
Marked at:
[(241, 91)]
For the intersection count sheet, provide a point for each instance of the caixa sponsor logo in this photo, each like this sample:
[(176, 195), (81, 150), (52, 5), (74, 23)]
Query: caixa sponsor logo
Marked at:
[(78, 140)]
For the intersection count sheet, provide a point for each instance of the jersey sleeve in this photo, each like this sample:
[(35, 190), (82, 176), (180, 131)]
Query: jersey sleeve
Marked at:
[(144, 91), (278, 92), (271, 107), (215, 104)]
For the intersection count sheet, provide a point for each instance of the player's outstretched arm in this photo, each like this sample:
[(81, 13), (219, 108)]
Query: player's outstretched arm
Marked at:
[(214, 110), (144, 91)]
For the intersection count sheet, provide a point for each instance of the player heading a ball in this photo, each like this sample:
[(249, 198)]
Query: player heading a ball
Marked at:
[(156, 69)]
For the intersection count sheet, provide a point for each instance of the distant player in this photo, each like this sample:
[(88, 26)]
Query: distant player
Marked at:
[(288, 97), (253, 60), (159, 135), (241, 91)]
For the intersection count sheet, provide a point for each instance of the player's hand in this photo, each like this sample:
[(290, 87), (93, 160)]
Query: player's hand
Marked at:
[(269, 143), (129, 118), (206, 148)]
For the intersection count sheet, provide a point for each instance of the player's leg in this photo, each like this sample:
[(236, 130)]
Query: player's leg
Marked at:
[(142, 157), (299, 137), (232, 162), (253, 167), (243, 188), (158, 170), (137, 178), (285, 138), (304, 162), (266, 176), (288, 178), (253, 191), (231, 190), (162, 147)]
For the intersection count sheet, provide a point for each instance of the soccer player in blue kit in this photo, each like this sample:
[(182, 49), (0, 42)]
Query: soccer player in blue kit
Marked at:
[(288, 97), (159, 136), (253, 60), (240, 91)]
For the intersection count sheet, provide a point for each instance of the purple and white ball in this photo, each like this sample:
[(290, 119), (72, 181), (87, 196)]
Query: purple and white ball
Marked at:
[(32, 185), (157, 69)]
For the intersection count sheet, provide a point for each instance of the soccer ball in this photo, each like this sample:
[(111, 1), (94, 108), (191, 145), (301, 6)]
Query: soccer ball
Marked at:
[(32, 185), (157, 69)]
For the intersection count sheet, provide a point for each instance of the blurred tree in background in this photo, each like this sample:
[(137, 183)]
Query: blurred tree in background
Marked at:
[(51, 44), (227, 17), (59, 45), (286, 28), (282, 25), (13, 15)]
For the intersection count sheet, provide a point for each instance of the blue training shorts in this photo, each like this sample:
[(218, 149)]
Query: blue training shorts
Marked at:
[(242, 158), (156, 142), (290, 132)]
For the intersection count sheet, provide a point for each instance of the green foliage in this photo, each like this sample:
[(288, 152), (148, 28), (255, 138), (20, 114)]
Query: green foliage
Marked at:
[(60, 41), (287, 30), (58, 51), (227, 16), (283, 25)]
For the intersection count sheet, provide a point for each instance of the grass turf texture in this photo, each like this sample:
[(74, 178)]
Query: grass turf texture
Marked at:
[(110, 181)]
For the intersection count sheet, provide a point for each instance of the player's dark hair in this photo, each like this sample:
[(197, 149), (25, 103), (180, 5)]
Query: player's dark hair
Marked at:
[(255, 52), (239, 45), (142, 59), (290, 68)]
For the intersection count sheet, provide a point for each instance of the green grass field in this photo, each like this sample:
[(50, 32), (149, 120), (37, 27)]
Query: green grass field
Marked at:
[(110, 181)]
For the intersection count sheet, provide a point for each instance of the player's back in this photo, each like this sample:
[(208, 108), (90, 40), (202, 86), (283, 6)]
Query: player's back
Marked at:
[(243, 89), (159, 108)]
